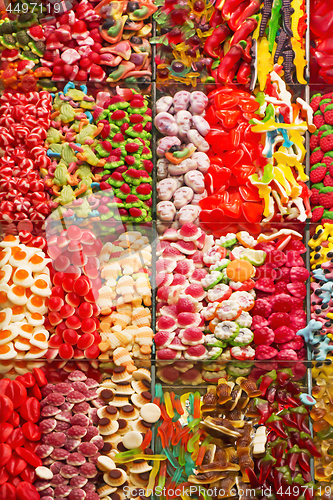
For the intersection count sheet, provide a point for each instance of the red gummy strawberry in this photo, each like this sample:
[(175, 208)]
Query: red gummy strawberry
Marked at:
[(263, 336), (298, 318), (330, 166), (297, 289), (262, 307), (281, 287), (266, 271), (299, 274), (294, 259), (324, 103), (328, 115), (258, 322), (266, 352), (314, 140), (318, 119), (314, 196), (316, 156), (287, 355), (317, 213), (318, 172), (326, 141), (296, 344), (278, 319), (315, 102), (281, 303), (277, 258), (328, 180), (328, 159), (265, 285), (296, 245), (326, 197), (283, 334), (283, 274)]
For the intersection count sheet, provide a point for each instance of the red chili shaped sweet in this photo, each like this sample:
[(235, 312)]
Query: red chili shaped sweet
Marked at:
[(28, 474), (27, 380), (3, 476), (30, 410), (6, 408), (40, 377)]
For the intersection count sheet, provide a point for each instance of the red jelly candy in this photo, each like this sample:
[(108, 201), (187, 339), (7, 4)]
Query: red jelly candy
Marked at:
[(31, 431), (6, 408), (29, 457), (3, 476), (266, 352), (281, 303), (264, 336), (16, 438), (66, 351), (15, 465), (5, 454), (26, 491), (30, 410), (5, 431), (283, 334), (8, 492)]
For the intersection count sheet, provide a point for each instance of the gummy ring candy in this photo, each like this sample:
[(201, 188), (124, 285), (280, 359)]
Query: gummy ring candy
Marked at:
[(244, 299), (240, 270), (229, 310), (227, 330)]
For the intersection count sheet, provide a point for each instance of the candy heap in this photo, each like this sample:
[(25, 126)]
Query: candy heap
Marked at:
[(24, 121), (73, 314), (208, 287), (125, 297), (321, 159), (279, 314), (182, 156), (242, 435), (70, 444), (22, 42), (322, 46), (25, 286), (108, 42), (126, 155), (281, 41), (202, 42), (321, 415), (236, 154), (71, 140), (20, 411), (125, 417), (281, 182), (319, 332)]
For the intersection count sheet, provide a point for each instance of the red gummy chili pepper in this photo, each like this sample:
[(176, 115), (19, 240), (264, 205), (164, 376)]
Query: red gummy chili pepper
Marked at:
[(28, 474), (28, 380), (6, 408), (26, 491), (30, 410), (39, 376), (3, 475)]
